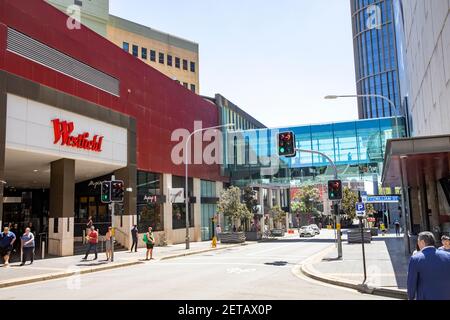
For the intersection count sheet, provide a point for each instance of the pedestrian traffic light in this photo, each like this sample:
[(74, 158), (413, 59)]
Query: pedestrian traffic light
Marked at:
[(106, 192), (286, 144), (117, 191), (335, 190)]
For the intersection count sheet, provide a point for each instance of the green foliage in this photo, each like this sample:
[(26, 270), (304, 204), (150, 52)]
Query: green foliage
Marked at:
[(349, 200), (231, 207), (278, 215), (305, 199), (250, 199)]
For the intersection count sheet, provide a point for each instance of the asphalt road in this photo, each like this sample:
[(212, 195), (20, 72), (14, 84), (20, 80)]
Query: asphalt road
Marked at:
[(258, 271)]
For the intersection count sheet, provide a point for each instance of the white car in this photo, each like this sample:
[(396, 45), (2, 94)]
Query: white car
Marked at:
[(315, 228), (306, 232)]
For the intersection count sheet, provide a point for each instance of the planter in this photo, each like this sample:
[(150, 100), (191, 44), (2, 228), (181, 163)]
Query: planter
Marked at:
[(374, 232), (253, 236), (232, 237), (277, 232), (354, 236)]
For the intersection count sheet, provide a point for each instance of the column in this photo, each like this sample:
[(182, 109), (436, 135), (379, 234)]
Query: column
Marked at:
[(196, 235), (167, 207), (270, 203), (432, 197), (124, 223), (261, 203), (62, 203), (2, 144)]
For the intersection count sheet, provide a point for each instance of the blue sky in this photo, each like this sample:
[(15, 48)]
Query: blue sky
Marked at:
[(274, 59)]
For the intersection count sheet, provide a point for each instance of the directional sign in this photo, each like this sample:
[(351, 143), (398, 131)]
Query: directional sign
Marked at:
[(381, 199), (360, 209)]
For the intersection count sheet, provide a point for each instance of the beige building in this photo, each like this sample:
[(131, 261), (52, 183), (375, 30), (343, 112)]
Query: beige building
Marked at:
[(175, 57)]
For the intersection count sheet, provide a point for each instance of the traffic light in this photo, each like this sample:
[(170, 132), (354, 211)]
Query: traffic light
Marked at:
[(117, 191), (335, 190), (286, 144), (106, 192)]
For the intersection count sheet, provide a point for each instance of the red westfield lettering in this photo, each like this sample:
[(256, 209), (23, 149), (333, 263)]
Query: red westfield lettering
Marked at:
[(63, 132)]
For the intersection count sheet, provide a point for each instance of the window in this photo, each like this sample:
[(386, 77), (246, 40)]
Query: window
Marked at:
[(135, 50), (152, 55), (179, 209), (193, 87), (161, 58), (185, 64), (169, 60), (192, 66), (144, 53), (177, 62), (185, 84), (126, 46), (149, 206)]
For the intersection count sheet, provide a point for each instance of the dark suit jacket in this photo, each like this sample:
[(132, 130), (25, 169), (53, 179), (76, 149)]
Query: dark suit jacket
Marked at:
[(429, 275)]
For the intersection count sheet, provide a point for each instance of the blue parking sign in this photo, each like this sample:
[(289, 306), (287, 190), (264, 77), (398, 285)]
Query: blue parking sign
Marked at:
[(360, 209)]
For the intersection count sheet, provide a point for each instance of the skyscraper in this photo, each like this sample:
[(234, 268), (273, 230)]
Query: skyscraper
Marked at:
[(376, 64)]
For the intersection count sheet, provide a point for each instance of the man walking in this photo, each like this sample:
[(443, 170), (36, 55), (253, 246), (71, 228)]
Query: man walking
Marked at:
[(428, 273), (92, 239), (27, 246), (7, 239), (397, 228), (134, 236)]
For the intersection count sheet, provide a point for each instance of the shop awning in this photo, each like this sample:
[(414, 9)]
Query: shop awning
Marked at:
[(412, 155)]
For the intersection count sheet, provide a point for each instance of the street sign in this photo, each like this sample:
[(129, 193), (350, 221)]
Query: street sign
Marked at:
[(382, 199), (360, 209)]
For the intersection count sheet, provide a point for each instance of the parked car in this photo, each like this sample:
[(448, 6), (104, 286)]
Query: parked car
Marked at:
[(307, 231), (315, 228)]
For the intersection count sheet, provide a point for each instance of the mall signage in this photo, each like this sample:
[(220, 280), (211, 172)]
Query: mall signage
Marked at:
[(63, 133)]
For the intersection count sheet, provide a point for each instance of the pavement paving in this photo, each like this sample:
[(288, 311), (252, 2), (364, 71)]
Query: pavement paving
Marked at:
[(261, 271), (386, 266), (67, 266)]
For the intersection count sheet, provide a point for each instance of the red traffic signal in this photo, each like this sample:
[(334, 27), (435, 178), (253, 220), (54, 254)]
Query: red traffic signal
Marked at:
[(335, 190), (117, 191), (286, 144)]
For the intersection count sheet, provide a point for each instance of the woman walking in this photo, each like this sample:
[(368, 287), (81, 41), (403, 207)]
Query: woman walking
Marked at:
[(27, 247), (108, 245), (149, 239)]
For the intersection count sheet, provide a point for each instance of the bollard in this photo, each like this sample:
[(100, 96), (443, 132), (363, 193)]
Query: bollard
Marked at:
[(43, 250)]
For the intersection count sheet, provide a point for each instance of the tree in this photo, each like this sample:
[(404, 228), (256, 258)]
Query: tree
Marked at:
[(305, 199), (349, 200), (278, 215), (231, 207), (250, 199)]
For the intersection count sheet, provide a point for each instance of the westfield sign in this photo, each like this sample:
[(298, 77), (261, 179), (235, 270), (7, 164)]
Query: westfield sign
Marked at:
[(63, 133)]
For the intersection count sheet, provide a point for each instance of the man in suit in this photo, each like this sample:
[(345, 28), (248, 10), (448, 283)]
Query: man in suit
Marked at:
[(429, 271)]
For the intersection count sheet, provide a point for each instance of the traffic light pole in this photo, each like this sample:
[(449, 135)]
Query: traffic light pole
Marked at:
[(336, 206), (112, 225)]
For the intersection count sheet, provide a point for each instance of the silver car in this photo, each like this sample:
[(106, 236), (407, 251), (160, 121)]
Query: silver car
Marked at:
[(306, 232), (315, 228)]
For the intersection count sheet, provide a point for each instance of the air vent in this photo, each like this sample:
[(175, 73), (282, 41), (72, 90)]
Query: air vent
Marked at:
[(38, 52)]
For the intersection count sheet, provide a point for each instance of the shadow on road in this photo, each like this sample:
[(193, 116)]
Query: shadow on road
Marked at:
[(277, 263)]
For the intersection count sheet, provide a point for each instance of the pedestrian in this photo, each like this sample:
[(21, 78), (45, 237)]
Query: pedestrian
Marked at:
[(108, 244), (445, 243), (28, 245), (134, 237), (383, 229), (31, 227), (218, 231), (149, 240), (397, 228), (92, 239), (428, 272), (234, 228), (7, 239), (15, 230)]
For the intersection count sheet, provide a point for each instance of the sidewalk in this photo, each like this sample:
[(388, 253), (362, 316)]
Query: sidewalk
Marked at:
[(386, 264), (55, 268)]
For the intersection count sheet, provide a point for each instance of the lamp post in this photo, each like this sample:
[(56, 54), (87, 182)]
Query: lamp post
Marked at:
[(187, 157), (397, 112)]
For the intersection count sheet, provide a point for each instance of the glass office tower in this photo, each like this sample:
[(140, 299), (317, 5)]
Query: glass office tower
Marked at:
[(376, 64)]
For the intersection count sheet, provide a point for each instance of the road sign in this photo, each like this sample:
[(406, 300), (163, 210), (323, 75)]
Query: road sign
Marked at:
[(382, 199), (360, 209)]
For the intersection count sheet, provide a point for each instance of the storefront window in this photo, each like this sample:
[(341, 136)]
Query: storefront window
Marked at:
[(179, 209), (149, 201)]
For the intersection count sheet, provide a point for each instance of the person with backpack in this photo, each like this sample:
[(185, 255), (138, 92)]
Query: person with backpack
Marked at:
[(149, 240)]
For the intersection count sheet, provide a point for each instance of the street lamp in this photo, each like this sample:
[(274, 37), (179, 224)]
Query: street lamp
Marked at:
[(397, 112), (229, 125)]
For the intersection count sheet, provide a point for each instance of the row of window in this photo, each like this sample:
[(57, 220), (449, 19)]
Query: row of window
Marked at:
[(162, 58), (240, 123), (191, 86)]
